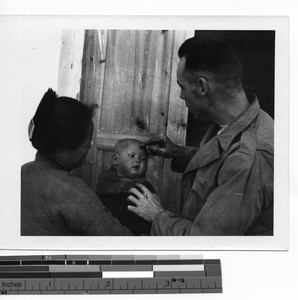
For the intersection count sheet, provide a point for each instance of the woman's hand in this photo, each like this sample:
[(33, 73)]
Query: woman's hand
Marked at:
[(148, 205)]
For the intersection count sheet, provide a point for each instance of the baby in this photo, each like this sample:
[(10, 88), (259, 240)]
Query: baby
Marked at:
[(129, 167)]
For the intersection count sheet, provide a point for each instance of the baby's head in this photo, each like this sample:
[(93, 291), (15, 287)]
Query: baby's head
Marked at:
[(129, 158)]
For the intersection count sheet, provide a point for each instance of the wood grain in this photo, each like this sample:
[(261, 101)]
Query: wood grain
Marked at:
[(176, 129), (131, 76)]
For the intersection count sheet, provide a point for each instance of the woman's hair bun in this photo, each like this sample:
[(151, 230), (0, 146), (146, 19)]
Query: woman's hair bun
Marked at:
[(46, 105), (59, 122)]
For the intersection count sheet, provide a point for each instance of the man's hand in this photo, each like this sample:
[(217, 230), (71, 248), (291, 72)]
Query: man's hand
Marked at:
[(148, 205), (161, 145)]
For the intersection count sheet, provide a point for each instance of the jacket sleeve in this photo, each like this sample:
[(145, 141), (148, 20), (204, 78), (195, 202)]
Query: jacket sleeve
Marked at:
[(84, 213), (182, 159), (232, 206)]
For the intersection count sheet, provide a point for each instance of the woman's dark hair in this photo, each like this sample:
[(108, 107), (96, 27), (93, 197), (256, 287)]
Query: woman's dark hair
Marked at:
[(212, 56), (59, 122)]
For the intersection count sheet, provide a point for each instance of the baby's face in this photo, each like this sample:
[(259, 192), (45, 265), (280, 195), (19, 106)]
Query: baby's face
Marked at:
[(132, 162)]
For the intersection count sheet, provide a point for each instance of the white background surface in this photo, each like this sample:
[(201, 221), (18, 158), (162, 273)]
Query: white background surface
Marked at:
[(246, 274)]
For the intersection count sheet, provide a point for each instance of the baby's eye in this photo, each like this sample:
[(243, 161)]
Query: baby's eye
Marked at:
[(131, 155), (143, 158)]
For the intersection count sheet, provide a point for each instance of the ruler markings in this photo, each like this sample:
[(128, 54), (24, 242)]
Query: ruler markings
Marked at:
[(109, 274), (20, 284)]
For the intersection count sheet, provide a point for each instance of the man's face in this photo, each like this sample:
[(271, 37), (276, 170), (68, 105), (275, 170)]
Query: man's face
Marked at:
[(131, 162), (190, 93)]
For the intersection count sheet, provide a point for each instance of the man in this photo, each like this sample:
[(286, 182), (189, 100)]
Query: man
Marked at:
[(227, 185)]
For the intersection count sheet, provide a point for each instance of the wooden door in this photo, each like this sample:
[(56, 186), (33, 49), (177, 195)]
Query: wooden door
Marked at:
[(131, 76)]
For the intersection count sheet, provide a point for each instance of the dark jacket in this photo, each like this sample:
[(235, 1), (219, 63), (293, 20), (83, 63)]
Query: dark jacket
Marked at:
[(113, 192), (55, 202), (227, 185)]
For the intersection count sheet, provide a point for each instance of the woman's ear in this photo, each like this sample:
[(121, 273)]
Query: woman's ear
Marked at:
[(115, 158), (60, 152)]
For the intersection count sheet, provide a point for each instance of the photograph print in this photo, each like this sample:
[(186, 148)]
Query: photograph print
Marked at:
[(153, 133)]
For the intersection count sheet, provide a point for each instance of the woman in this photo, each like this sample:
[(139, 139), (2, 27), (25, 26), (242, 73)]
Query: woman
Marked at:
[(53, 200)]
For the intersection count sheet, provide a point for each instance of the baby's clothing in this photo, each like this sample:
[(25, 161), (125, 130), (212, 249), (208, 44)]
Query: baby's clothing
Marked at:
[(112, 190)]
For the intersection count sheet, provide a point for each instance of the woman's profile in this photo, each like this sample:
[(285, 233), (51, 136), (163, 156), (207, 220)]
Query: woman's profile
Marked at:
[(53, 200)]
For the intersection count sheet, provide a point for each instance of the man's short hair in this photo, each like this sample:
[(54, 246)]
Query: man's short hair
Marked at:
[(125, 143), (212, 57)]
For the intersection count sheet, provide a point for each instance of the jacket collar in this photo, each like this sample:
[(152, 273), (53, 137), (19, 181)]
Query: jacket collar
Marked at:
[(213, 145), (48, 162), (239, 124)]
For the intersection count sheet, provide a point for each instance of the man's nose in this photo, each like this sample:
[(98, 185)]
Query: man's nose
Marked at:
[(182, 95)]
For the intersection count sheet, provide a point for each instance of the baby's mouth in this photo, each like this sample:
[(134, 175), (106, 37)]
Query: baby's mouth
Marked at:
[(136, 168)]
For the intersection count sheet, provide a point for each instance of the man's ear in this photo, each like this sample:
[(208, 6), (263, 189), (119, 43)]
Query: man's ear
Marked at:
[(115, 158), (203, 86)]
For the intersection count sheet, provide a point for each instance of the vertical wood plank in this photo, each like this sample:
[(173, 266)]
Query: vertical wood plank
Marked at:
[(159, 99), (136, 88), (137, 79), (70, 63), (176, 129), (91, 93), (131, 75), (161, 85)]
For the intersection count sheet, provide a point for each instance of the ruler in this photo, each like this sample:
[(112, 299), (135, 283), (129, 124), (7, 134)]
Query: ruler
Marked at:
[(109, 274)]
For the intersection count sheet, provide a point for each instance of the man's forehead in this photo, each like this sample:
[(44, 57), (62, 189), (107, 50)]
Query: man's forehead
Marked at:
[(181, 64)]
